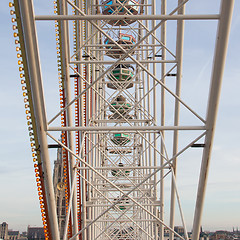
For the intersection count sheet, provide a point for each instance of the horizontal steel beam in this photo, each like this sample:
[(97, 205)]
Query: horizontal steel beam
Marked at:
[(129, 17), (125, 220), (125, 62), (122, 121), (127, 128), (122, 168)]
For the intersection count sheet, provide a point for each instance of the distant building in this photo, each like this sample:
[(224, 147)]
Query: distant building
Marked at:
[(58, 184), (179, 230), (35, 233), (4, 231), (222, 235), (203, 235), (24, 234), (13, 235), (237, 231), (22, 238)]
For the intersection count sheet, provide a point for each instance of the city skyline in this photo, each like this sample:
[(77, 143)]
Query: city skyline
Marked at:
[(31, 231), (19, 204)]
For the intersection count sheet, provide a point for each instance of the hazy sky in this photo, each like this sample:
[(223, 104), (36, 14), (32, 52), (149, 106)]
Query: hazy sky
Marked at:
[(19, 205)]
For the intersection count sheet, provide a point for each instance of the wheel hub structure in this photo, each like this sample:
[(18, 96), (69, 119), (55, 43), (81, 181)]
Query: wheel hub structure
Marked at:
[(129, 119)]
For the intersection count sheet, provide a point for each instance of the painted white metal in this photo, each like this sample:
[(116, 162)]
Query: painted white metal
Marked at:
[(32, 55), (129, 128), (121, 176), (179, 57), (66, 75), (131, 17), (162, 149), (214, 96), (119, 189)]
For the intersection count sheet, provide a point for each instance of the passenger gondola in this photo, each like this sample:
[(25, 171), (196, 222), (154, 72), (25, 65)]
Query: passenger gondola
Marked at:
[(121, 77), (120, 7), (126, 41)]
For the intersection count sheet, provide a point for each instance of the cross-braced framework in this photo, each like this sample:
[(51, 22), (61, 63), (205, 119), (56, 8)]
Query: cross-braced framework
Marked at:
[(119, 153)]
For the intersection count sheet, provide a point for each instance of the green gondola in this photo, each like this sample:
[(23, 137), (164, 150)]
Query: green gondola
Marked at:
[(123, 203), (119, 105), (120, 173), (121, 76), (121, 138)]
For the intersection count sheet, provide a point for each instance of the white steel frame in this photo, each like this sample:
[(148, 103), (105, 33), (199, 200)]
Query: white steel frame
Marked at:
[(147, 161)]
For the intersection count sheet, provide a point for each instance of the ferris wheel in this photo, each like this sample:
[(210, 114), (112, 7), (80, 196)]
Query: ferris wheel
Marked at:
[(126, 119)]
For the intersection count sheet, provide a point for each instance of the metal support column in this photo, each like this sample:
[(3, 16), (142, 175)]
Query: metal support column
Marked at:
[(65, 63), (32, 55), (179, 56), (216, 82), (163, 69)]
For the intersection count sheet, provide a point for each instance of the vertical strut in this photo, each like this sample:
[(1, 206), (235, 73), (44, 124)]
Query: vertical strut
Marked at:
[(179, 57), (163, 69), (29, 32), (113, 190), (216, 82), (67, 85)]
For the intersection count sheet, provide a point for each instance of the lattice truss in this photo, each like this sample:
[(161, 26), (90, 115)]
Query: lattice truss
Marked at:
[(120, 154)]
